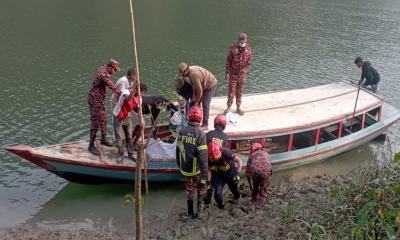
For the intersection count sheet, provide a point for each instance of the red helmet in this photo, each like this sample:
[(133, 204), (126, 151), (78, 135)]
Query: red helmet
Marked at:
[(214, 151), (255, 147), (220, 119), (195, 114)]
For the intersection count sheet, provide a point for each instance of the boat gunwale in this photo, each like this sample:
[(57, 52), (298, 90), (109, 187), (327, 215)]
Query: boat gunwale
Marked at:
[(302, 128)]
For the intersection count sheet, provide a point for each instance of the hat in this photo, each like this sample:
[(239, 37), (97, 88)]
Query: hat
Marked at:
[(243, 37), (182, 67), (115, 64)]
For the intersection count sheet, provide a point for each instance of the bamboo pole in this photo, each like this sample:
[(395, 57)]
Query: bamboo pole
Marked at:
[(138, 172), (355, 107)]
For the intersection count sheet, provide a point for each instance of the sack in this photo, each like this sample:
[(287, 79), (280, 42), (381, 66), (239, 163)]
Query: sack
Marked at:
[(157, 150)]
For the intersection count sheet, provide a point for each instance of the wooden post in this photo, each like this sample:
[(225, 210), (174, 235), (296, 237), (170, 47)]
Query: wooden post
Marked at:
[(141, 153), (317, 136), (290, 145), (363, 121), (340, 129)]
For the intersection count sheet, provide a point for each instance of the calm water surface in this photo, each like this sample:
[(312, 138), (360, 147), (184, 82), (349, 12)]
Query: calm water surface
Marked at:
[(50, 50)]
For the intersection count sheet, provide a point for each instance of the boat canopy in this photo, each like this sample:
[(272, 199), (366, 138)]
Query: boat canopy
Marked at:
[(293, 110)]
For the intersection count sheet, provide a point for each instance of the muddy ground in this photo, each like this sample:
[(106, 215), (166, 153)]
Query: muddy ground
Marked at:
[(290, 206)]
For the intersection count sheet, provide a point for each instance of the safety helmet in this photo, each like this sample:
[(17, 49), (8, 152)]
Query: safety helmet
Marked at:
[(214, 151), (220, 119), (195, 114), (255, 146)]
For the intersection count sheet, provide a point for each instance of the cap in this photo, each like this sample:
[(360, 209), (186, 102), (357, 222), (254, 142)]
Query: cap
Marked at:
[(115, 64), (243, 37)]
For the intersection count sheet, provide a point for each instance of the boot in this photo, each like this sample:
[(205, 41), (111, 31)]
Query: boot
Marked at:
[(190, 209), (92, 148), (105, 141), (227, 110), (239, 111)]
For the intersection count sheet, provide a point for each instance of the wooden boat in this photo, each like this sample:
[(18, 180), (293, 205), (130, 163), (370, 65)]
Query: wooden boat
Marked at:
[(297, 127)]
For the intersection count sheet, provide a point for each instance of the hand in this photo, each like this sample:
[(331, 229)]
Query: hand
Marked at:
[(227, 77), (236, 179), (203, 181)]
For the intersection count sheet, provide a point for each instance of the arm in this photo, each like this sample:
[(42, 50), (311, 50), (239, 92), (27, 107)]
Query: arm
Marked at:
[(239, 163), (368, 75), (197, 89), (107, 79)]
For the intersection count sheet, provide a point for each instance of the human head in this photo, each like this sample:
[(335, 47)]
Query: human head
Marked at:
[(195, 114), (179, 82), (143, 89), (220, 122), (113, 66), (242, 41), (255, 147), (183, 69), (131, 74), (214, 151), (359, 62)]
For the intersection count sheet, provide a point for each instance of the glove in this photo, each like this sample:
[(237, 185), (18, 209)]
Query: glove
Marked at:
[(236, 179)]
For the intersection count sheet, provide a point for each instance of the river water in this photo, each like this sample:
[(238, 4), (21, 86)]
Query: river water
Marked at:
[(50, 50)]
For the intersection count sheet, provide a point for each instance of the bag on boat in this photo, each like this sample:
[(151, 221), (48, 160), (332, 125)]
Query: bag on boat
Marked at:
[(157, 150)]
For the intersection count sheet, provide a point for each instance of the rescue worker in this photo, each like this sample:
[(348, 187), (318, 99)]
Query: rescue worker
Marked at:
[(216, 135), (227, 167), (368, 73), (237, 65), (258, 172), (122, 122), (96, 101), (203, 85), (191, 157)]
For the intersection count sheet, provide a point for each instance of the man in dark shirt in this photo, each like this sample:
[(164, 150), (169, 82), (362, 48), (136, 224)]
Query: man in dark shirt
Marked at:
[(191, 157), (369, 74), (216, 135), (227, 169)]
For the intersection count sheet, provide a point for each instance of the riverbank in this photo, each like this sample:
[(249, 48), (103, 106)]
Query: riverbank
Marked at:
[(364, 202)]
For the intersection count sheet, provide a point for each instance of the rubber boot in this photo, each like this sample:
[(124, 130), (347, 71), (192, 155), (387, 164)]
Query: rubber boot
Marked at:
[(105, 141), (239, 111), (92, 148), (190, 209)]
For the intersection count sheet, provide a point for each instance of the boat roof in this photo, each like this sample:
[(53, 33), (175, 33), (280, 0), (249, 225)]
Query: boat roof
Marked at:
[(293, 110)]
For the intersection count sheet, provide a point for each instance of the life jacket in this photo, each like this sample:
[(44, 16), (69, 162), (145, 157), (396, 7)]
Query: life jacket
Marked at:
[(127, 106)]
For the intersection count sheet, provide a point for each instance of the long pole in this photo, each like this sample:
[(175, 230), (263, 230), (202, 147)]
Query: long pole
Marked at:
[(355, 107), (138, 172)]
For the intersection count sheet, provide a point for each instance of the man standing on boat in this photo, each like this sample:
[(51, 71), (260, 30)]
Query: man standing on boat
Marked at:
[(96, 100), (203, 85), (259, 171), (368, 73), (237, 65), (191, 157), (122, 122)]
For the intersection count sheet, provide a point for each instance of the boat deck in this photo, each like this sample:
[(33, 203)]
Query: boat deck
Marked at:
[(294, 109), (77, 152)]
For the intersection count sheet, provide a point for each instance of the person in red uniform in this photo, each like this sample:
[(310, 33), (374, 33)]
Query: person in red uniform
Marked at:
[(237, 65), (191, 157), (96, 101), (259, 171)]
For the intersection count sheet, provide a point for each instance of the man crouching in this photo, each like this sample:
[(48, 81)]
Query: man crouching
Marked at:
[(191, 157), (259, 171)]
